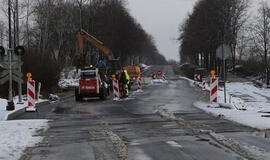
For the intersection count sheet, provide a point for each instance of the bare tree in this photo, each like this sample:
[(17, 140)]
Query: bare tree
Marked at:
[(260, 35), (2, 31)]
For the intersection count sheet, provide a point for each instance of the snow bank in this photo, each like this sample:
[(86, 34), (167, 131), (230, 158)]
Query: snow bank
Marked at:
[(159, 81), (17, 135), (69, 78), (3, 103), (66, 83), (249, 105), (249, 117), (144, 66)]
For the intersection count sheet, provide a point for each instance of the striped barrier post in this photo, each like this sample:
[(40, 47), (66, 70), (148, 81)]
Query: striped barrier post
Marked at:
[(204, 83), (31, 96), (116, 93), (197, 77), (214, 89), (140, 83), (164, 77), (153, 75)]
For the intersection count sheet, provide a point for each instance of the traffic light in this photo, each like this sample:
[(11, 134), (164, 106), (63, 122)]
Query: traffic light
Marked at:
[(19, 50), (2, 51)]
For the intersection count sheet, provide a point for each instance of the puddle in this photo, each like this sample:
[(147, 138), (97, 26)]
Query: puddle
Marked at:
[(89, 113)]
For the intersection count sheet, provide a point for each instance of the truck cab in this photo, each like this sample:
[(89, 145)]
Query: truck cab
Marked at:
[(91, 84)]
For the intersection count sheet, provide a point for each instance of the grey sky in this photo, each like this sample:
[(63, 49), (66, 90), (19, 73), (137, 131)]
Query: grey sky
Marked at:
[(161, 18)]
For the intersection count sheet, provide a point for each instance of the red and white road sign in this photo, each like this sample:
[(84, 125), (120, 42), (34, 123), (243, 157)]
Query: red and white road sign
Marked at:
[(164, 77), (204, 83), (159, 73), (153, 75), (213, 90), (197, 77), (31, 95), (116, 93), (140, 83)]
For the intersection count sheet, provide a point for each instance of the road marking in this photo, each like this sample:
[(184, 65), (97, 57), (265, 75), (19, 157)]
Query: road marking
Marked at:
[(174, 144)]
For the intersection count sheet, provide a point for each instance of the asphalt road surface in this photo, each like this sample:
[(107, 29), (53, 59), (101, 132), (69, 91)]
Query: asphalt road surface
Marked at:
[(158, 124)]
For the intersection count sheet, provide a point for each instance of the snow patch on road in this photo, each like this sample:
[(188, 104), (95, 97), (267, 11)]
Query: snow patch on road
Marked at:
[(119, 145), (16, 136), (164, 113), (174, 144), (159, 81)]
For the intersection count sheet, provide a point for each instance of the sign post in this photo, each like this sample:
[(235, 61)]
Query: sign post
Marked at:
[(223, 52), (10, 63)]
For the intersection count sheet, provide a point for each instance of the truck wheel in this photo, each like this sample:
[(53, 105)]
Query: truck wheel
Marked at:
[(77, 95), (103, 94)]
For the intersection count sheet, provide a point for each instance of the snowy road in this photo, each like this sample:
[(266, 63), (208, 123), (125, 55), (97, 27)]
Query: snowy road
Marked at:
[(160, 123)]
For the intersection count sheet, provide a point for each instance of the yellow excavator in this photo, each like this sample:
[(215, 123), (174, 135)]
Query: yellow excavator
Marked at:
[(113, 65)]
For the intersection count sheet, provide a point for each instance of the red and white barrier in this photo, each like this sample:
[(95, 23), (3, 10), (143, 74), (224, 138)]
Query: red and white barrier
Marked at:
[(116, 93), (213, 90), (197, 77), (153, 75), (164, 77), (204, 83), (140, 83), (31, 96)]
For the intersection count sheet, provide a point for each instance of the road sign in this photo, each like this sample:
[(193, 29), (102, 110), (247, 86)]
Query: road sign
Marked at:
[(4, 80), (14, 72), (4, 73), (17, 79), (15, 65), (159, 73), (223, 52), (14, 78), (17, 73)]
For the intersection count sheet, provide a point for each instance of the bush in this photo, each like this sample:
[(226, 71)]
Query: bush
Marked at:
[(250, 67), (43, 69)]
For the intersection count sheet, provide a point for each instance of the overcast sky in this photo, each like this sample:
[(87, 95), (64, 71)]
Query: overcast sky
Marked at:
[(161, 19)]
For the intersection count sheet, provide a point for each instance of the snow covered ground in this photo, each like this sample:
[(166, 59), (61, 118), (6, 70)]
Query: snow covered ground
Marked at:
[(3, 103), (69, 78), (249, 105), (17, 135)]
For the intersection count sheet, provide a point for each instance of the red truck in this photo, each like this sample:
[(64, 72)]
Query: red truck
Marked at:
[(91, 84)]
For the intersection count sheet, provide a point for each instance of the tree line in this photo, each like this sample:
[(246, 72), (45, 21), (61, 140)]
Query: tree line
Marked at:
[(229, 22), (48, 31)]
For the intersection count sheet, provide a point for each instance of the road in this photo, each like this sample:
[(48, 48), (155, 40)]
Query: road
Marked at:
[(141, 127)]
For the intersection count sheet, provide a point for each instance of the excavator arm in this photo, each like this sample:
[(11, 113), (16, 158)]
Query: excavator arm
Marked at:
[(94, 41)]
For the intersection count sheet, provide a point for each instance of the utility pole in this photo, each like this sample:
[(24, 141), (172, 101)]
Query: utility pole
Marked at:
[(80, 13), (10, 105), (18, 43)]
